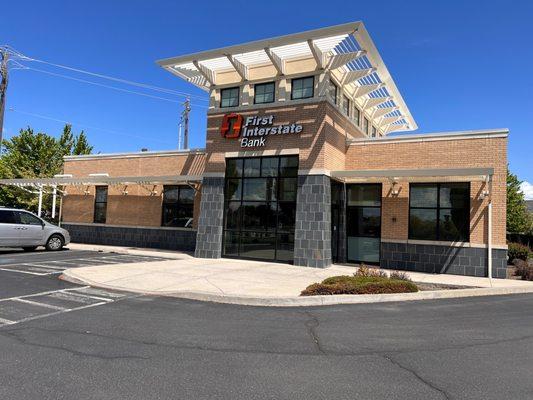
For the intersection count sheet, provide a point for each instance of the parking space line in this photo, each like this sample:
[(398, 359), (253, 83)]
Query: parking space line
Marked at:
[(27, 272), (4, 321), (65, 294), (40, 304), (44, 293), (45, 266)]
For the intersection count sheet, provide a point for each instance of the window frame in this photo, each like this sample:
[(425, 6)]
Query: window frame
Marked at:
[(366, 126), (177, 205), (263, 85), (223, 90), (279, 202), (312, 77), (333, 85), (357, 112), (346, 105), (438, 209), (96, 188)]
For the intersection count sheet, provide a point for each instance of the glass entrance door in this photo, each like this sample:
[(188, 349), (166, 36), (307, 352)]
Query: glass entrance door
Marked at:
[(260, 208), (363, 222)]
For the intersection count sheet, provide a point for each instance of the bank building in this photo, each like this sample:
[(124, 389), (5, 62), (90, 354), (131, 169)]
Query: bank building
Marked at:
[(303, 164)]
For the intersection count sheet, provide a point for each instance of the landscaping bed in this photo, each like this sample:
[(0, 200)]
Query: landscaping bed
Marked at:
[(364, 281)]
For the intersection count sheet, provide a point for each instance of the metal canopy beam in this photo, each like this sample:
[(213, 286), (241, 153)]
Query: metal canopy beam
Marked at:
[(317, 54), (99, 180), (276, 61), (241, 69), (208, 75), (339, 60), (352, 76), (409, 173)]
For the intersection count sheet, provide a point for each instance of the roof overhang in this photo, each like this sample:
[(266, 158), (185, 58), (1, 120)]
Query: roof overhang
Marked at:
[(102, 180), (346, 50), (415, 175)]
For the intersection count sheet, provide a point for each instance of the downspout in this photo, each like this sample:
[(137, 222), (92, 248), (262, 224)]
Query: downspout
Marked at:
[(489, 230)]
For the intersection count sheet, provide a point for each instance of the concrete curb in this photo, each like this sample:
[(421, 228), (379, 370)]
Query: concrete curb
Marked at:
[(70, 275)]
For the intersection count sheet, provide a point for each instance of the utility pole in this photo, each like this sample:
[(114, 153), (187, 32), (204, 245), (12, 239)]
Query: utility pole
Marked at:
[(186, 112), (3, 89)]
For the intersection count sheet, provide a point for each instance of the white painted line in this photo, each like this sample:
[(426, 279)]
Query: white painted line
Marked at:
[(56, 313), (43, 293), (45, 266), (27, 272), (4, 321), (40, 304), (76, 294)]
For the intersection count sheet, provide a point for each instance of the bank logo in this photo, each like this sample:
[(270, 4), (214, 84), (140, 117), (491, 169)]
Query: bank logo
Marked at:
[(255, 129), (231, 126)]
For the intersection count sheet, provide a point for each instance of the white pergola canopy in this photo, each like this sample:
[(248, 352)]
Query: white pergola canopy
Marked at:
[(345, 50), (416, 175), (101, 180)]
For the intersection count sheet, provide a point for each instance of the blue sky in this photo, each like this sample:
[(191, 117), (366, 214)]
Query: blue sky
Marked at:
[(459, 65)]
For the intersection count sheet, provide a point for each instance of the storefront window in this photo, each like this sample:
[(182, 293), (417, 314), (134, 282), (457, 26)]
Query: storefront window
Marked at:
[(302, 88), (264, 93), (100, 205), (439, 211), (178, 206), (260, 207), (229, 97)]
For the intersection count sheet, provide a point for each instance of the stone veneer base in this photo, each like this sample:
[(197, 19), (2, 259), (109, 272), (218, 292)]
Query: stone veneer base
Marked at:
[(209, 238), (168, 239), (469, 261), (312, 234)]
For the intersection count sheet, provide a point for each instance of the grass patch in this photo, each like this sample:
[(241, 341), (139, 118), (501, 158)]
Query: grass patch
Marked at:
[(364, 281)]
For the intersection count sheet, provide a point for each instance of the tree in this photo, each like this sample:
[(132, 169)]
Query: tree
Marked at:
[(518, 218), (36, 155)]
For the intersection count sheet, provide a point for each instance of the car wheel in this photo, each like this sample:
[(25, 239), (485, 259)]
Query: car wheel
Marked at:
[(54, 243), (30, 248)]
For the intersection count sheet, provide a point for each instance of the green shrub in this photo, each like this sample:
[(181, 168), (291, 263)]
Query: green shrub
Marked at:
[(517, 250), (523, 270), (366, 272), (375, 283), (400, 275)]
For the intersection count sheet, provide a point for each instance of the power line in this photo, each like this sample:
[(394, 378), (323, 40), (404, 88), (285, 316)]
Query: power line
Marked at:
[(21, 56), (85, 126)]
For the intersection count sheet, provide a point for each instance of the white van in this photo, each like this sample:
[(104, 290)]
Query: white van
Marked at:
[(21, 228)]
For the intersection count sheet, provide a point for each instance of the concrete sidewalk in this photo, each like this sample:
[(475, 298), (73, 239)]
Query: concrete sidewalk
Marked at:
[(262, 283)]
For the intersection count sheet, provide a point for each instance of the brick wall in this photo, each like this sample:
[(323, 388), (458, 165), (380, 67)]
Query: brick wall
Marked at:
[(453, 153), (138, 207), (322, 143)]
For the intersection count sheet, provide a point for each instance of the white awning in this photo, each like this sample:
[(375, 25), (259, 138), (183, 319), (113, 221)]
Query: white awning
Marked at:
[(346, 50)]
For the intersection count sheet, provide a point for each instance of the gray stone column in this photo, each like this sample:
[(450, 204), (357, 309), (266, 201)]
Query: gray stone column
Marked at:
[(312, 236), (209, 236), (342, 227)]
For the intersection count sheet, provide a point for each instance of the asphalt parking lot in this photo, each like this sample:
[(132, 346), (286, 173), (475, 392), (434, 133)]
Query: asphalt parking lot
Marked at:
[(30, 287), (41, 262)]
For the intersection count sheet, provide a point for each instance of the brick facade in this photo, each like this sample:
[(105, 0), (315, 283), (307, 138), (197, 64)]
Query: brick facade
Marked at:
[(329, 142)]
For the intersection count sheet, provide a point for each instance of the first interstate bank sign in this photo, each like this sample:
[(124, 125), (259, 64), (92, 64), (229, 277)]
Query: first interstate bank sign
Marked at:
[(254, 131)]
